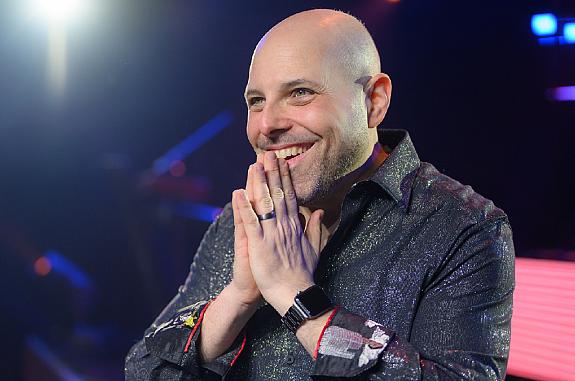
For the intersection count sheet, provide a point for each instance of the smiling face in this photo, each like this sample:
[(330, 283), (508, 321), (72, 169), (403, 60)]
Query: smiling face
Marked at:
[(304, 105)]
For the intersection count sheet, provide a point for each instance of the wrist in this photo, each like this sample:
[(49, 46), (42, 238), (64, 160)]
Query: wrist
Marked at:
[(308, 305), (281, 298), (244, 301)]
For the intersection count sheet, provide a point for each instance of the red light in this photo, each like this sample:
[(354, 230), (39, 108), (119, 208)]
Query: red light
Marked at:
[(177, 168), (543, 324), (42, 266)]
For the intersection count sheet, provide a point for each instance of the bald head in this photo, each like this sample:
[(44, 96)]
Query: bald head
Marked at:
[(315, 87), (335, 35)]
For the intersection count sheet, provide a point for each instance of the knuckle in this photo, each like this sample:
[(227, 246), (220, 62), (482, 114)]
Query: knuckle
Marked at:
[(277, 193), (290, 194), (267, 204), (252, 219)]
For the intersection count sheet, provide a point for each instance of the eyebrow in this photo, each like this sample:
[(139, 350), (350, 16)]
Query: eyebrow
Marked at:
[(287, 85)]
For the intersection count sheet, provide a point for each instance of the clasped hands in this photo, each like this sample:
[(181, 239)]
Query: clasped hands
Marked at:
[(275, 257)]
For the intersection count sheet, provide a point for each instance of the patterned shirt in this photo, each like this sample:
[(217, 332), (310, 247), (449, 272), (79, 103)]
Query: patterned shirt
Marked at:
[(422, 271)]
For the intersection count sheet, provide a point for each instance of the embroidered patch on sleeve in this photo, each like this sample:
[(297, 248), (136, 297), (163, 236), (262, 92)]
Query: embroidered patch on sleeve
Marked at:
[(374, 346), (344, 343), (340, 342), (184, 317)]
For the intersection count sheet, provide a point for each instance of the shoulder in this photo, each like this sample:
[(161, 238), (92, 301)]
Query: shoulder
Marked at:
[(467, 229), (221, 230), (437, 192)]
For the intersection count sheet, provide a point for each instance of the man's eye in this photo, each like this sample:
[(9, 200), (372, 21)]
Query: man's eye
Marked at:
[(300, 92), (255, 101)]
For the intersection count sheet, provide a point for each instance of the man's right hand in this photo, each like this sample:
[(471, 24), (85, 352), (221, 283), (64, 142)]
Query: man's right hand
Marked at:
[(243, 283), (227, 315)]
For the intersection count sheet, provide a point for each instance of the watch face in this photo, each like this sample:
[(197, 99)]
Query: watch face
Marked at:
[(314, 301)]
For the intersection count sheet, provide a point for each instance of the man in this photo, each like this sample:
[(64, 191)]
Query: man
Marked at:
[(415, 276)]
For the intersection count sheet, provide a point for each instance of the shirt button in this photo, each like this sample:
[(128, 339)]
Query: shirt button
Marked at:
[(290, 359)]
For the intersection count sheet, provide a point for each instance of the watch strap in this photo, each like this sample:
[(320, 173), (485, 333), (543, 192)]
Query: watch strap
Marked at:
[(299, 312)]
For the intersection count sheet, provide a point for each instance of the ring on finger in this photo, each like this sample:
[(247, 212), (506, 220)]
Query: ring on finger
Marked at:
[(267, 216)]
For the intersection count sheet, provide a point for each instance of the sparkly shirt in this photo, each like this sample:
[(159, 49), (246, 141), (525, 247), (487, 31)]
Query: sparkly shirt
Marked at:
[(421, 267)]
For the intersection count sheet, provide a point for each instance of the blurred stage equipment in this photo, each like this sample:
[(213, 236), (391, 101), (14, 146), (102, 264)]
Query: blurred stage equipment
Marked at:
[(552, 30)]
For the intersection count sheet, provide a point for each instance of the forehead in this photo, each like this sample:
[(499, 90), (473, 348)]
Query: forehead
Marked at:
[(278, 62)]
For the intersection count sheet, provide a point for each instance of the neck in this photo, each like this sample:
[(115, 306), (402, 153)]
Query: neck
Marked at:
[(332, 205)]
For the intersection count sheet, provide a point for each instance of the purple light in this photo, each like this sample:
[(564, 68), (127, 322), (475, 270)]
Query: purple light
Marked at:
[(563, 93)]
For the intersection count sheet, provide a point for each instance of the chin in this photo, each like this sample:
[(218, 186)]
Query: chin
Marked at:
[(304, 195), (309, 195)]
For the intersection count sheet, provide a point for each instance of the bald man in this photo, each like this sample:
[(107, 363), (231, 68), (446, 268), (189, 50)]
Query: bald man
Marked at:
[(415, 276)]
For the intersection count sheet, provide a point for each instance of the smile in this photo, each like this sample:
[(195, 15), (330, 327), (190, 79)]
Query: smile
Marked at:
[(291, 152)]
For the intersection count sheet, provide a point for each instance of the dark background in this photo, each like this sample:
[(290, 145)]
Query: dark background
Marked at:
[(469, 83)]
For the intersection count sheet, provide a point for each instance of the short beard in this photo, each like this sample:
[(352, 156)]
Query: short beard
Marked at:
[(333, 173)]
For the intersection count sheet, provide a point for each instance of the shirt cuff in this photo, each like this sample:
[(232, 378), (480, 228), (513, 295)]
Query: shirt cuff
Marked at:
[(176, 341), (349, 345)]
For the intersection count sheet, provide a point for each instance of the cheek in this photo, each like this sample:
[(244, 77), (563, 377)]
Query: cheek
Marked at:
[(319, 118), (251, 130)]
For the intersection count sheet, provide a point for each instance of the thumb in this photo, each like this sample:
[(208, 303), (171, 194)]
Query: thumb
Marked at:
[(314, 230)]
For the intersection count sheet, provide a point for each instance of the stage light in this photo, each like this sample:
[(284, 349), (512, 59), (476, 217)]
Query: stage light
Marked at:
[(562, 94), (195, 140), (569, 32), (58, 11), (42, 266), (544, 24)]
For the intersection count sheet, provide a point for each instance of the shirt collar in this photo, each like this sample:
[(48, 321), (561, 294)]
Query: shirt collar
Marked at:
[(395, 176)]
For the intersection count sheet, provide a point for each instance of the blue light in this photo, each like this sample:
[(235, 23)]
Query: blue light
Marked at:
[(548, 40), (51, 359), (75, 275), (193, 141), (544, 24), (196, 211), (569, 32)]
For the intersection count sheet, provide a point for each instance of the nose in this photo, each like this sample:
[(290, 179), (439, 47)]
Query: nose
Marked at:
[(273, 120)]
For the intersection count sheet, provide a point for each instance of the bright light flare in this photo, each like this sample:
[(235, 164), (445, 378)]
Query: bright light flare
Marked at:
[(58, 14), (569, 32), (544, 24), (59, 11)]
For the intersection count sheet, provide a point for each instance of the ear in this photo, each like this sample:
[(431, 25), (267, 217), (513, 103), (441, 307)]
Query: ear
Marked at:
[(377, 97)]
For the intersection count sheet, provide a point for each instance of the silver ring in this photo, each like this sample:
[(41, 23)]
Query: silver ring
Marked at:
[(267, 216)]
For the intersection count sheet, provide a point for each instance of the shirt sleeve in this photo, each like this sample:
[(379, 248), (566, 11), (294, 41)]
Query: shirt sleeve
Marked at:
[(169, 349), (461, 330)]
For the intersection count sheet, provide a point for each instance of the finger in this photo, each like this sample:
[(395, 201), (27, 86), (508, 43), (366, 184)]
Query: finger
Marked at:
[(274, 180), (324, 236), (314, 230), (260, 158), (239, 231), (289, 193), (304, 215), (249, 184), (263, 201), (250, 221)]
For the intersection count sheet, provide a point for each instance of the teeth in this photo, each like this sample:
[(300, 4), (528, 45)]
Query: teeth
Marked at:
[(290, 151)]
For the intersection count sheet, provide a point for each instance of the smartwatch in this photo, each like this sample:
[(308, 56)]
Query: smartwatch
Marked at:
[(308, 304)]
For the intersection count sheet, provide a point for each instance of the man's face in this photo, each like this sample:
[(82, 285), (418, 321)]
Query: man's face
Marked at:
[(303, 106)]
